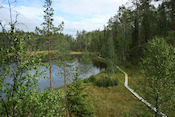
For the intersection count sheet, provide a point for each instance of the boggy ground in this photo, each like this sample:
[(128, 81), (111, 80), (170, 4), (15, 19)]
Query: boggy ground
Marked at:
[(116, 101)]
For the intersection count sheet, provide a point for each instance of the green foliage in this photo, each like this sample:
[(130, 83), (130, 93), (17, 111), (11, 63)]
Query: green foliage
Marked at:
[(123, 39), (158, 67), (19, 87), (98, 62), (106, 81), (90, 79), (16, 80), (85, 58), (78, 104), (47, 103), (127, 33), (48, 17), (111, 58), (19, 96), (171, 38), (48, 26)]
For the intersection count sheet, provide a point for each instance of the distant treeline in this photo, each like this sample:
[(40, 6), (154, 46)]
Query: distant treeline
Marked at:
[(122, 39), (127, 33), (38, 42)]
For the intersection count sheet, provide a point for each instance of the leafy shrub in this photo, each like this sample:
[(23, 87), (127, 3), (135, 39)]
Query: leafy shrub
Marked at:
[(158, 69), (47, 103), (90, 79), (86, 80), (106, 82), (50, 102)]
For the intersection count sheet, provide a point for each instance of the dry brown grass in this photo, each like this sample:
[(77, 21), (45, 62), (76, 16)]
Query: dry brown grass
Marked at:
[(52, 52)]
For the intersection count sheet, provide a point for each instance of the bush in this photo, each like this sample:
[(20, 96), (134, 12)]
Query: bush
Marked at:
[(46, 103), (106, 82), (78, 103), (90, 79), (86, 80)]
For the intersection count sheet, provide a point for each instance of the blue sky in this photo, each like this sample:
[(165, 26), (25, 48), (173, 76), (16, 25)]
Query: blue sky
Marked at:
[(76, 14)]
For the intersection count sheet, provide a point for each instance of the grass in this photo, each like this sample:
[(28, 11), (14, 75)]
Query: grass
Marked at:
[(136, 79), (136, 82), (116, 101)]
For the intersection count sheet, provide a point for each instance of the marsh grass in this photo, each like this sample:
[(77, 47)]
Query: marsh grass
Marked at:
[(116, 101)]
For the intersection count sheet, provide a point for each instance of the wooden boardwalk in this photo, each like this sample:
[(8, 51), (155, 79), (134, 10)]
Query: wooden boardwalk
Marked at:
[(136, 95)]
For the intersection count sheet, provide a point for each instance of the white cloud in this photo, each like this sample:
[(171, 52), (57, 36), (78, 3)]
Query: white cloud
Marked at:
[(89, 24), (30, 12), (77, 14), (87, 7), (93, 14), (28, 17)]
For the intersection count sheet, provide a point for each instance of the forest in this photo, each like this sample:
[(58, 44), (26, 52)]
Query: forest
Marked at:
[(128, 66)]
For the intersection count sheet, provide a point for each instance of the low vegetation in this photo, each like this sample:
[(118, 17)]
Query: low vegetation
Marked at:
[(41, 104), (136, 82), (139, 33), (115, 101), (106, 81), (91, 79), (77, 101)]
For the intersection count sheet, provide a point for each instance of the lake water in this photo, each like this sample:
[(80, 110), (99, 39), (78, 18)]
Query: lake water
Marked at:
[(85, 70)]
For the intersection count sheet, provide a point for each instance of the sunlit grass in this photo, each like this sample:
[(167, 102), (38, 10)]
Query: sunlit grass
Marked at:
[(116, 101), (51, 52), (136, 82)]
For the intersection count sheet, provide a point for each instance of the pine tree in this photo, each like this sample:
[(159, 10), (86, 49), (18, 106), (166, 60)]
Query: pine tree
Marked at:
[(47, 26), (49, 29), (77, 99)]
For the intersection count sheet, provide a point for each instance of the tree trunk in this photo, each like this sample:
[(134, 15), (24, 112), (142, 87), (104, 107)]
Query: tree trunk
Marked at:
[(6, 108), (173, 14), (65, 89), (13, 94), (65, 80), (137, 23), (50, 66), (139, 41), (157, 106)]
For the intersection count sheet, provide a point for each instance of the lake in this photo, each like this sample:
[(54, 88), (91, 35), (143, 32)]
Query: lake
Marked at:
[(85, 71)]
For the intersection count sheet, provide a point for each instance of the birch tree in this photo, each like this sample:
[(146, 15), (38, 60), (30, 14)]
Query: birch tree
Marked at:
[(159, 70)]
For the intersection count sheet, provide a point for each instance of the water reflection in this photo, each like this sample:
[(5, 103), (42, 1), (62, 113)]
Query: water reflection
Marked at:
[(85, 70)]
